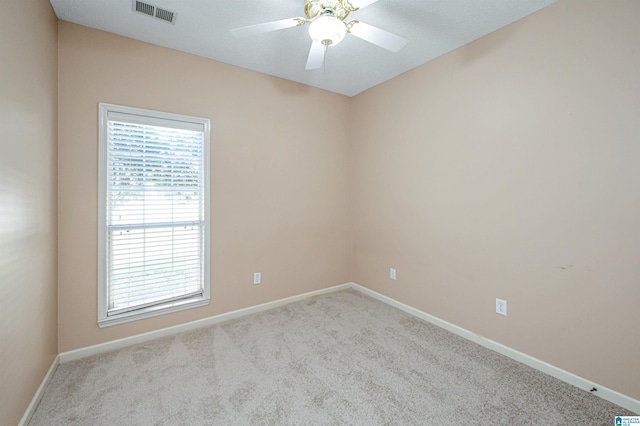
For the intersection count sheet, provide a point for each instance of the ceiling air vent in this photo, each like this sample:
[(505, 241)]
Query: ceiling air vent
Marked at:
[(165, 15), (154, 11)]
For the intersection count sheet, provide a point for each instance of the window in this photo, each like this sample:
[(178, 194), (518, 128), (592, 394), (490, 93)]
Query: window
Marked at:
[(153, 213)]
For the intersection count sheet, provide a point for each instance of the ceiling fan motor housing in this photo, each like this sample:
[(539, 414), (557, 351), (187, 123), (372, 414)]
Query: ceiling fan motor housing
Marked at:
[(337, 8)]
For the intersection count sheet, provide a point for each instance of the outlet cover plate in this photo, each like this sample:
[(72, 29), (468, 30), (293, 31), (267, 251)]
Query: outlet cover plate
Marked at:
[(501, 307)]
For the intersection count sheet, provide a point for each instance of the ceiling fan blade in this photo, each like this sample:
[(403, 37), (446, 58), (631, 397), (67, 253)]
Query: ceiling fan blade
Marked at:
[(378, 37), (266, 27), (362, 3), (316, 56)]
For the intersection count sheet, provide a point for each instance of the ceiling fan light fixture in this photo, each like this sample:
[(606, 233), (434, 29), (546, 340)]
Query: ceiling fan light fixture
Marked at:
[(327, 30)]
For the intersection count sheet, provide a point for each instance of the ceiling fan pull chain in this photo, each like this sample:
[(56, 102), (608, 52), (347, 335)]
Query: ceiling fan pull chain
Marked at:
[(324, 63)]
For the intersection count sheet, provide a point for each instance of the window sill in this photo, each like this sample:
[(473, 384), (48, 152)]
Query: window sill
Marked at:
[(153, 311)]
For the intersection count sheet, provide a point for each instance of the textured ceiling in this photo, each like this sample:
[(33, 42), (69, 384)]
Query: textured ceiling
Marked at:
[(202, 27)]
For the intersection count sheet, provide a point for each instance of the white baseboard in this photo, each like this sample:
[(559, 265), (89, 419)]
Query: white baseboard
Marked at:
[(580, 382), (205, 322), (31, 409)]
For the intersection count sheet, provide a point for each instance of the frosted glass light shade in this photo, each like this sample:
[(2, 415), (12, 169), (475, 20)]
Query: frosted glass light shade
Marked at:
[(327, 30)]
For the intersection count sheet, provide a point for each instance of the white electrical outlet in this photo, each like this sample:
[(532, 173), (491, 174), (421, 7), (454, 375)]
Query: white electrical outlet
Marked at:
[(501, 307), (392, 273), (257, 277)]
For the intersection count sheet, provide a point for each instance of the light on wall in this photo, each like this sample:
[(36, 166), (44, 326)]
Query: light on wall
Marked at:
[(327, 30)]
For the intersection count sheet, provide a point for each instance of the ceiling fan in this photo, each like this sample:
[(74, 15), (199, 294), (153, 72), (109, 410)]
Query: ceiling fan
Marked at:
[(328, 27)]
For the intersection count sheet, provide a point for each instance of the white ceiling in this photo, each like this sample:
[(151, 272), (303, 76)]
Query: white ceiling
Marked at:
[(202, 27)]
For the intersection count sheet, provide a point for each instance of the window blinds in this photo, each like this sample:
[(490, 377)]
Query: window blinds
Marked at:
[(155, 211)]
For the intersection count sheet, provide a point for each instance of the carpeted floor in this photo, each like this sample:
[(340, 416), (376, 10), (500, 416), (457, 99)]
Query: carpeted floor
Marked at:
[(339, 358)]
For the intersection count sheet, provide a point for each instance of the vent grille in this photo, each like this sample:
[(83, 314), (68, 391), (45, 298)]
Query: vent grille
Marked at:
[(145, 8), (154, 11), (165, 15)]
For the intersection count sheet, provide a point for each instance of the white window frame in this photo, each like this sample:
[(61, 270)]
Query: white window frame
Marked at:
[(145, 116)]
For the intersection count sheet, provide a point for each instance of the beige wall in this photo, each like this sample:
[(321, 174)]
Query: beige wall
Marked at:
[(509, 168), (28, 97), (280, 189)]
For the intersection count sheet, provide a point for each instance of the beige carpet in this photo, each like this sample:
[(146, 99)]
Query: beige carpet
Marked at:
[(340, 358)]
